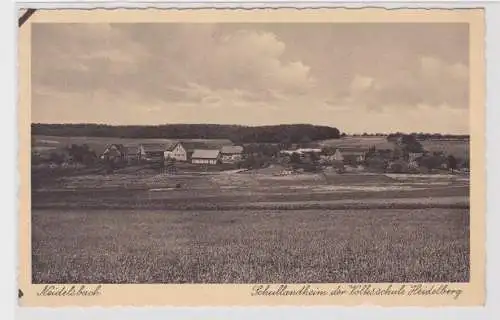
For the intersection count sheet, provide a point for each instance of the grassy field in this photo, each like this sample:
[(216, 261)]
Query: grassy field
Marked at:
[(145, 246), (457, 148), (236, 228), (359, 142)]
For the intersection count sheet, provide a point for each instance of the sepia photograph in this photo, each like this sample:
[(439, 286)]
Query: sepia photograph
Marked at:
[(250, 152)]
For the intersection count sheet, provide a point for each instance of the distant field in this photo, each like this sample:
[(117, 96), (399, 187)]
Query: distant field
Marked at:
[(238, 190), (359, 142), (458, 148), (144, 246)]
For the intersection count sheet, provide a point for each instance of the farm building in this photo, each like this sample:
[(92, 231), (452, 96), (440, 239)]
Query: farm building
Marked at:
[(338, 156), (288, 152), (413, 159), (131, 154), (200, 156), (231, 153), (309, 150), (151, 152), (114, 152), (176, 151), (357, 154), (301, 151)]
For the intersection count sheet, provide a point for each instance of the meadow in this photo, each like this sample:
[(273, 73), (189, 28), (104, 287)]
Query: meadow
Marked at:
[(457, 148), (240, 228), (245, 246)]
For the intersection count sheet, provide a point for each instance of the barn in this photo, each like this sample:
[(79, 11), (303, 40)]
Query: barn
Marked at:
[(151, 152), (200, 156), (231, 154)]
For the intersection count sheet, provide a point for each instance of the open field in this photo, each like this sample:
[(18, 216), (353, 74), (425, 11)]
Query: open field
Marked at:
[(145, 246), (359, 142), (457, 148), (232, 190), (231, 227)]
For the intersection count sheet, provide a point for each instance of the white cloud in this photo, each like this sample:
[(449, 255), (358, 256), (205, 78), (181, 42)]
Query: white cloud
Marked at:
[(154, 73)]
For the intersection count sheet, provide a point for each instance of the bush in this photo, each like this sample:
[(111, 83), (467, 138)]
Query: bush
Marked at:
[(398, 167)]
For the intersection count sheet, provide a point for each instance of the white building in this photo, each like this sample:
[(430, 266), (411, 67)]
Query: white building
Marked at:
[(205, 156), (176, 151)]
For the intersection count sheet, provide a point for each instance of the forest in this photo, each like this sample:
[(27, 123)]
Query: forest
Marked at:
[(292, 133)]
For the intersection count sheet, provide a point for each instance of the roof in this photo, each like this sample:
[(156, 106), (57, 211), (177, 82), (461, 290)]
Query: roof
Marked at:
[(353, 149), (205, 154), (193, 145), (289, 151), (118, 147), (131, 149), (149, 147), (171, 146), (352, 153), (232, 149), (309, 150)]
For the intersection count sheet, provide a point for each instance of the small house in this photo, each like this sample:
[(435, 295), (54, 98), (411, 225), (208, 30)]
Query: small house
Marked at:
[(200, 156), (356, 155), (231, 153), (151, 152), (309, 150), (176, 151), (288, 152), (131, 154), (413, 159), (338, 156), (114, 152)]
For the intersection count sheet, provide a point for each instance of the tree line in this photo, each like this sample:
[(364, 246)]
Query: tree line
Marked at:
[(427, 136), (291, 133)]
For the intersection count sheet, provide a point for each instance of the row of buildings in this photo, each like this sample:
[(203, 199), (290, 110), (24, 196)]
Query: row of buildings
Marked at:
[(340, 154), (178, 151), (200, 154)]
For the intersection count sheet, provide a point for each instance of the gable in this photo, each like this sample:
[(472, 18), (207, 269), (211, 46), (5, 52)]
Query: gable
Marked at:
[(232, 149), (152, 147), (179, 148)]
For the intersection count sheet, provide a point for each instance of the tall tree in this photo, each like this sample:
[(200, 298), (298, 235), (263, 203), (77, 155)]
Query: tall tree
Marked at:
[(452, 163)]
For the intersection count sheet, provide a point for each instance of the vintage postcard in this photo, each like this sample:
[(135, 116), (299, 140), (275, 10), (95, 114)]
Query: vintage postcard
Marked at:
[(266, 157)]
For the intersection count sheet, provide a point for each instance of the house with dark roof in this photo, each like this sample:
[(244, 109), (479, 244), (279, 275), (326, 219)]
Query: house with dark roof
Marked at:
[(231, 154), (201, 156), (114, 152), (151, 152), (353, 154)]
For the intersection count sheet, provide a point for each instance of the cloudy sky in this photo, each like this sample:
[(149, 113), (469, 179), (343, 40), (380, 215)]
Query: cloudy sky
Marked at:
[(357, 77)]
